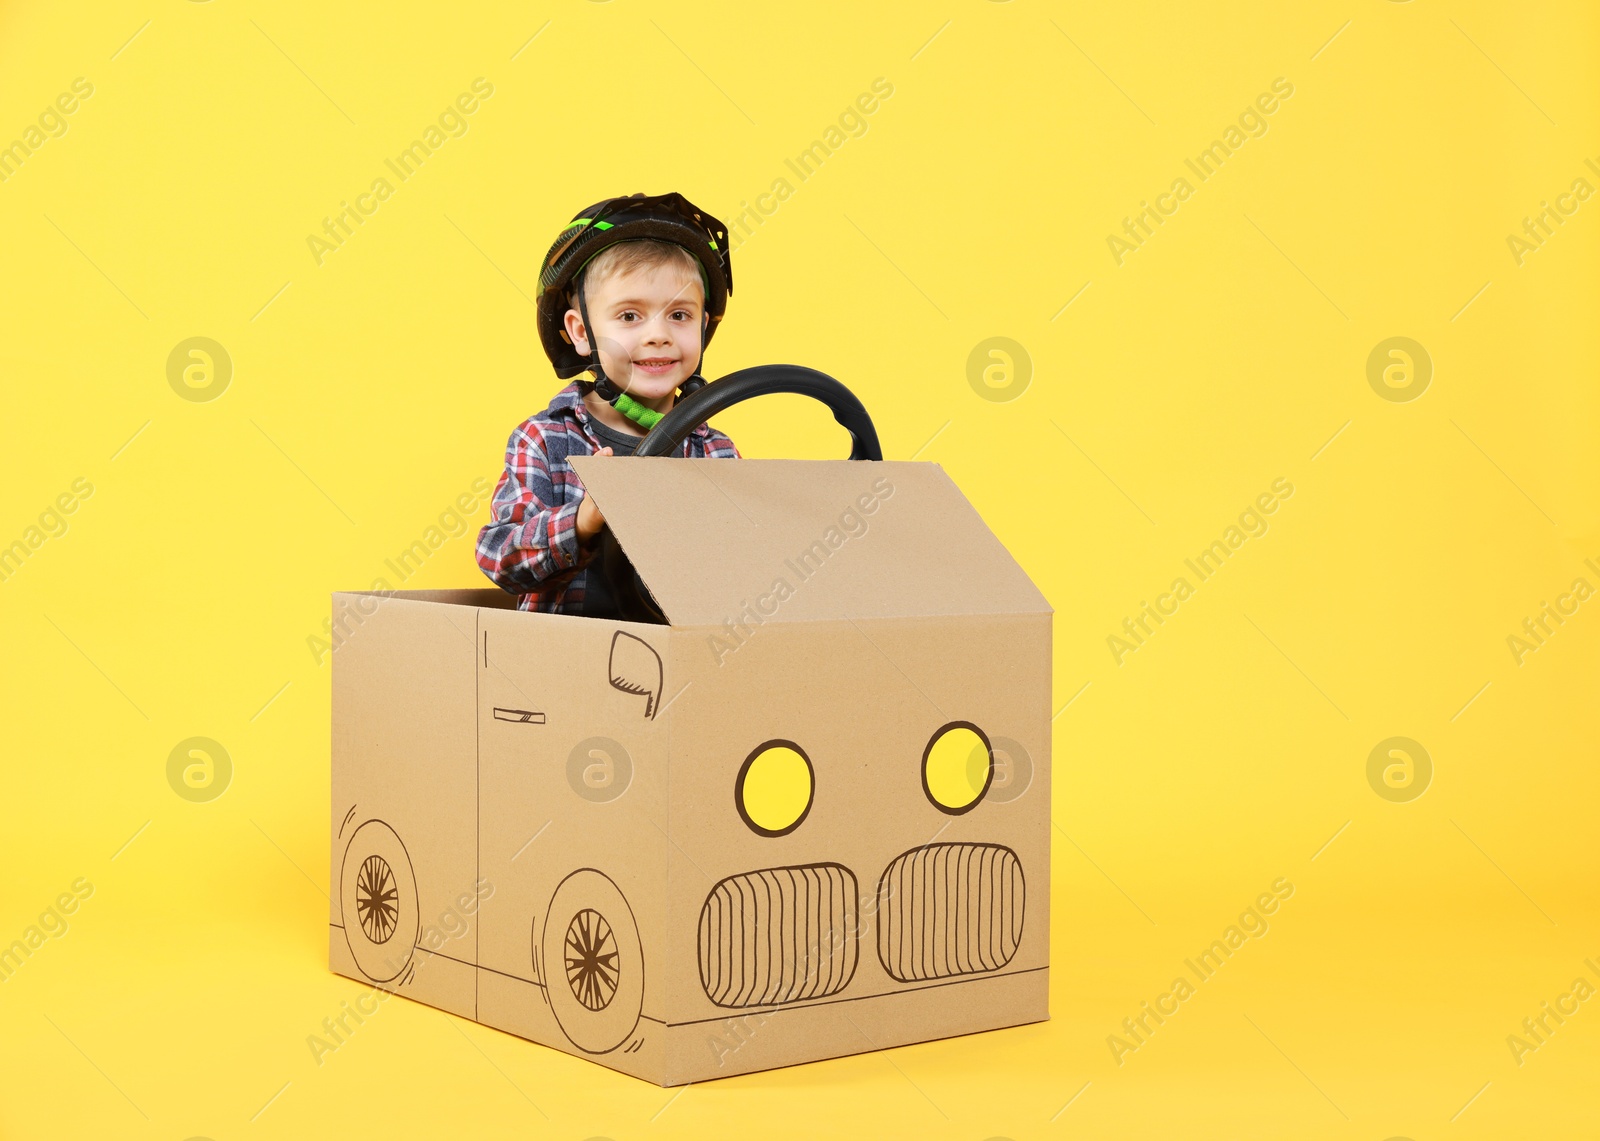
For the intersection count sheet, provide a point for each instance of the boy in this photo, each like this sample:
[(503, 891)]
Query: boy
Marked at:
[(629, 296)]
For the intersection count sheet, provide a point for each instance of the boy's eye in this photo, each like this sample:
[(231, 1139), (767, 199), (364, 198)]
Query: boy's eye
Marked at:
[(628, 316)]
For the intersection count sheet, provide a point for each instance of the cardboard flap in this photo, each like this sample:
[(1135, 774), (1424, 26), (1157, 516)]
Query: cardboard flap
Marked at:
[(804, 540)]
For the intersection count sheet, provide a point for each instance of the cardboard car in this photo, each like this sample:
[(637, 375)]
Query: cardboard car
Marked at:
[(806, 815)]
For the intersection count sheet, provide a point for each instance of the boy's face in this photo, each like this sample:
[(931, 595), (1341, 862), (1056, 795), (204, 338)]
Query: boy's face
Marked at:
[(648, 326)]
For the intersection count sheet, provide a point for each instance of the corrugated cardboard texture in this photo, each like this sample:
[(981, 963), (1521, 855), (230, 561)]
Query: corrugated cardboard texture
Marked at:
[(405, 798), (862, 700), (893, 539), (742, 1042), (545, 807), (573, 763)]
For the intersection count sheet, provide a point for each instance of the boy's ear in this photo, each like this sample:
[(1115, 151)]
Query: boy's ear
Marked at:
[(575, 332)]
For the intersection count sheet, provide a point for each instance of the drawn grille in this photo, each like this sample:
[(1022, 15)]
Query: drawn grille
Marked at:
[(779, 935), (949, 909)]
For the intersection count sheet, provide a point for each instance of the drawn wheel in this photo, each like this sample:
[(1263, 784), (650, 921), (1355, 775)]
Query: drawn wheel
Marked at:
[(591, 960), (378, 901), (593, 963)]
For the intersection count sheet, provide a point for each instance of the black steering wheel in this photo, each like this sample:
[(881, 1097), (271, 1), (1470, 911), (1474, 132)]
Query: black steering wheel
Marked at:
[(632, 600)]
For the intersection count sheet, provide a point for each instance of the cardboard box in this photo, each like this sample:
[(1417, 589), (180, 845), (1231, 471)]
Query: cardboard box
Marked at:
[(808, 818)]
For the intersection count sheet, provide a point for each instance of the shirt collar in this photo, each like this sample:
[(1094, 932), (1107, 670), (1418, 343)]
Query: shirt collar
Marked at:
[(570, 399)]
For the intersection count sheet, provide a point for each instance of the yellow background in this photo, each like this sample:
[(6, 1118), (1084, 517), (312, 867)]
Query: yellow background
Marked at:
[(1227, 352)]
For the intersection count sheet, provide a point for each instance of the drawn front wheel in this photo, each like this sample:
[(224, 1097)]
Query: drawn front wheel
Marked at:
[(378, 900), (593, 963)]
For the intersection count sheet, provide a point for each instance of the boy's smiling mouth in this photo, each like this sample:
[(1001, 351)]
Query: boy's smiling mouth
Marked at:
[(656, 365)]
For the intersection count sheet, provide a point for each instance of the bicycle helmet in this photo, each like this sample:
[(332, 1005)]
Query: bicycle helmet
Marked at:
[(664, 217)]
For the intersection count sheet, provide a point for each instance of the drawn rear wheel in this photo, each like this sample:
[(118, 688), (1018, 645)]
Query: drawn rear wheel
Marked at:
[(378, 901)]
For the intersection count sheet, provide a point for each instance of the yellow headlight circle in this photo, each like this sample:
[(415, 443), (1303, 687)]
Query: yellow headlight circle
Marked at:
[(775, 788), (957, 767)]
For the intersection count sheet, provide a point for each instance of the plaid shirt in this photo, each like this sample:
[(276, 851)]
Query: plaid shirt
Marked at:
[(531, 548)]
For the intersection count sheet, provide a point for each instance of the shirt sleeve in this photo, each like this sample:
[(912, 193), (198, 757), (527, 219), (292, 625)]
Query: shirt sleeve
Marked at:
[(530, 538)]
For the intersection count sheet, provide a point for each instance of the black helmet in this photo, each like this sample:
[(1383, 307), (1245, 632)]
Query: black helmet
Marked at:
[(664, 217)]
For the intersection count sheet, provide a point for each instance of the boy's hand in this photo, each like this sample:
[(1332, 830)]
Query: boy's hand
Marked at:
[(589, 518)]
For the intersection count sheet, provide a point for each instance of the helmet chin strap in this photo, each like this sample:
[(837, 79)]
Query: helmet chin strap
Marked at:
[(607, 389)]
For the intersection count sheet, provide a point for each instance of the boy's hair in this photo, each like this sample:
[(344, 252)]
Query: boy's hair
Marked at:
[(642, 253)]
